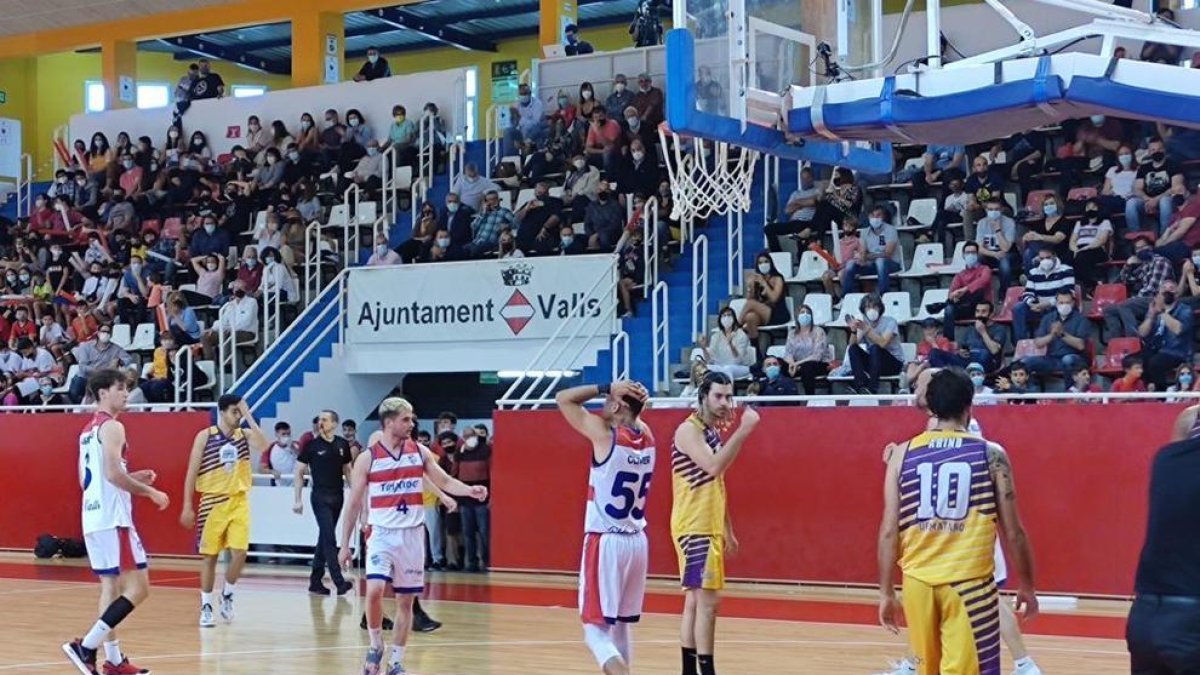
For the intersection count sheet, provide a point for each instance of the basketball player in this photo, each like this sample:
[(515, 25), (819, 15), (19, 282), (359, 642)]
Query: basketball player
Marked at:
[(1010, 629), (219, 468), (612, 576), (943, 493), (700, 524), (392, 472), (114, 550)]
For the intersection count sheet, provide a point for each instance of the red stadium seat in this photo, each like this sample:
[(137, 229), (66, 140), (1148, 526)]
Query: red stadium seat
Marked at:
[(1107, 295), (1118, 348), (1011, 297)]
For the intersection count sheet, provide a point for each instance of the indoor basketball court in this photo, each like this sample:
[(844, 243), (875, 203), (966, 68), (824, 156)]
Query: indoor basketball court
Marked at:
[(494, 624)]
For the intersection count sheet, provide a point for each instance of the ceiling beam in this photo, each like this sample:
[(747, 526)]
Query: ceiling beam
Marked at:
[(434, 29), (239, 56)]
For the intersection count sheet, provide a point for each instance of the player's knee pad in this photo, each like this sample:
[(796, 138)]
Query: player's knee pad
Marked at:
[(599, 639)]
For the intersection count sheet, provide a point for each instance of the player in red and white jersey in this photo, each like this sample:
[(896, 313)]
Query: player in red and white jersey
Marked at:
[(612, 576), (390, 473), (114, 549)]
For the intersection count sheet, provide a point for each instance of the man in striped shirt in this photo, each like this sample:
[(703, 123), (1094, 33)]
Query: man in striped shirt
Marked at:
[(1043, 281)]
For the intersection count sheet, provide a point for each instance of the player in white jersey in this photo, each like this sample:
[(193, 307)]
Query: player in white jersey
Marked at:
[(114, 549), (1010, 629), (391, 474), (612, 575)]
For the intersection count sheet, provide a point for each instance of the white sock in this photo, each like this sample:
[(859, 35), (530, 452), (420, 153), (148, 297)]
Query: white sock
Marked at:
[(228, 590), (376, 637), (206, 598), (96, 635), (1023, 662), (112, 652), (397, 654)]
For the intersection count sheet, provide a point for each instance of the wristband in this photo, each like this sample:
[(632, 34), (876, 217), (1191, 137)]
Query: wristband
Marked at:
[(603, 389)]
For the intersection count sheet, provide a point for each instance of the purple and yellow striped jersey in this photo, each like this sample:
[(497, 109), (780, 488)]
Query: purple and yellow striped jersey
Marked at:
[(224, 464), (947, 508), (698, 505)]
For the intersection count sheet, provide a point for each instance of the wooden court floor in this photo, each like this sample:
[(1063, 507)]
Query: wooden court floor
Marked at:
[(497, 624)]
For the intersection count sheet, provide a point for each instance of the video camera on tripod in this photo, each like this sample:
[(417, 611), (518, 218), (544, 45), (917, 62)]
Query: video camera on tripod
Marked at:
[(647, 28)]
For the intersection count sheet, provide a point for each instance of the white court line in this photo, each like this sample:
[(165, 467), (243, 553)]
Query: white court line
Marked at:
[(74, 585), (272, 653)]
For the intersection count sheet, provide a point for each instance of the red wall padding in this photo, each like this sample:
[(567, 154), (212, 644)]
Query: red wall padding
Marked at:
[(805, 494), (40, 453)]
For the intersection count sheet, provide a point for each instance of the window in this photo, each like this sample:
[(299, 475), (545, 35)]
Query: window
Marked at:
[(247, 90), (93, 96), (472, 93), (153, 95)]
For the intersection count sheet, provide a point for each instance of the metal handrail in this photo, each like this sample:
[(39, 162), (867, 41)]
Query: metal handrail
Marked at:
[(1098, 398), (493, 139), (699, 286), (272, 376), (387, 193), (620, 356), (184, 387), (734, 235), (129, 407), (312, 260), (226, 346), (456, 161), (660, 323), (25, 186), (572, 321), (351, 198), (650, 247), (426, 134), (270, 314)]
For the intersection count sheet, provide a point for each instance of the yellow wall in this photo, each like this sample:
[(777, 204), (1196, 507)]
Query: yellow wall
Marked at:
[(53, 84)]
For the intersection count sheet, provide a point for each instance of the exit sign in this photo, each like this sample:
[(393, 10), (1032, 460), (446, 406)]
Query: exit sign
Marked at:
[(3, 96)]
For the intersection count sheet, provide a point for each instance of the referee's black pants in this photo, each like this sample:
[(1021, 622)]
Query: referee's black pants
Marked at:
[(1163, 635), (326, 507)]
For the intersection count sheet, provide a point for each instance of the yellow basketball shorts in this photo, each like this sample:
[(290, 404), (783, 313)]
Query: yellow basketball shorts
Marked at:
[(223, 522), (701, 561), (954, 629)]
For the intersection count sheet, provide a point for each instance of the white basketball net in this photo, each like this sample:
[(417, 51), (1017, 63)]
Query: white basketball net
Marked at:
[(702, 185)]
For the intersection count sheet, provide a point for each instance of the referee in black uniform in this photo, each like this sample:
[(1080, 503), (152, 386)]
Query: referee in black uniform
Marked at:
[(1163, 634), (327, 457)]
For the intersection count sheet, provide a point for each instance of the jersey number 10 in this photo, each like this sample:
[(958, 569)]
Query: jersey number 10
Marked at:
[(953, 479), (634, 505)]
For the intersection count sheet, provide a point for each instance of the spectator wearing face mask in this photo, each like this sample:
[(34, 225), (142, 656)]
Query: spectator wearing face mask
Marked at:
[(996, 234), (570, 243), (207, 85), (159, 384), (1189, 284), (403, 135), (765, 297), (118, 213), (488, 224), (1185, 380), (99, 353), (639, 171), (565, 112), (381, 255), (279, 459), (576, 46), (209, 240), (1089, 242), (878, 253), (727, 350), (580, 186), (133, 292), (473, 466), (528, 121), (424, 230), (331, 135), (806, 351), (603, 220), (539, 220), (1166, 333), (620, 99), (131, 176), (649, 101), (1119, 181), (506, 247), (181, 320), (1181, 235), (968, 288), (874, 349), (51, 336), (242, 321), (368, 172), (774, 382), (1053, 229), (277, 276), (632, 130), (22, 327), (374, 68), (1063, 334), (442, 248), (470, 187), (983, 393), (250, 272), (605, 142), (1144, 274), (941, 163), (41, 215), (588, 104), (1158, 181), (1045, 279), (46, 396), (631, 268), (799, 211), (982, 186), (270, 176)]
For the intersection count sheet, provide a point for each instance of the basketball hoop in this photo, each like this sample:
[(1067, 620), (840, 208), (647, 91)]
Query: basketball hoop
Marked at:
[(707, 176)]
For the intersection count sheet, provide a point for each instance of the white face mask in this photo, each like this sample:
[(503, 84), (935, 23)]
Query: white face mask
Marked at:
[(1046, 264), (993, 213), (452, 207), (764, 268), (1126, 160), (727, 321), (103, 338), (619, 87), (381, 249), (587, 95), (875, 222), (373, 58), (1196, 260), (579, 164), (638, 155), (472, 442), (285, 440), (1064, 309), (872, 315)]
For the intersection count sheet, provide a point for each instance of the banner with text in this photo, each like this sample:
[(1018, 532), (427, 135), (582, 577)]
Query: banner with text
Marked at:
[(514, 299)]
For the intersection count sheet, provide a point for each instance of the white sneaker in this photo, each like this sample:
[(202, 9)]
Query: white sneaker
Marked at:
[(227, 607), (206, 616), (902, 667), (1028, 668)]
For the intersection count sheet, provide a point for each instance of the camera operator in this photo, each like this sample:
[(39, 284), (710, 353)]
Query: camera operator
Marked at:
[(647, 28)]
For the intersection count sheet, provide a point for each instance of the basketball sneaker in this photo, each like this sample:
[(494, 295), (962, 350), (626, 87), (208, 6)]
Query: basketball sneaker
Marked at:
[(83, 658), (1026, 666), (206, 616), (396, 669), (123, 668), (902, 667), (371, 664), (227, 607)]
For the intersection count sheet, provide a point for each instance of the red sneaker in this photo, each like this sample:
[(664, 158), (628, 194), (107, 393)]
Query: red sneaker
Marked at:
[(124, 668)]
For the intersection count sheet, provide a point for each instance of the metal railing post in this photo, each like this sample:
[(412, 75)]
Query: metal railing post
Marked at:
[(699, 286)]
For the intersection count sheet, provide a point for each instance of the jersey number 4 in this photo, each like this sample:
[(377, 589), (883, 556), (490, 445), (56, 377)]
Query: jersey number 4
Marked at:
[(953, 480), (634, 505)]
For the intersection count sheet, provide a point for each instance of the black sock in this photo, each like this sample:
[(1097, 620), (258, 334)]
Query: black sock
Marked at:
[(117, 611), (707, 667), (689, 661)]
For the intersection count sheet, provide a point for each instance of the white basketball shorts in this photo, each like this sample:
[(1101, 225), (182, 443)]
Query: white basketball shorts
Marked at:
[(612, 577), (115, 550), (1001, 567), (397, 556)]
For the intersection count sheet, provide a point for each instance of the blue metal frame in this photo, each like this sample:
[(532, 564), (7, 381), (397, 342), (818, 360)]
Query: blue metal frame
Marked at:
[(684, 118)]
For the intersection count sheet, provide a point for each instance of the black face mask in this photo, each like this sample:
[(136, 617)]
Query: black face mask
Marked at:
[(1168, 297), (239, 293), (1158, 156)]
